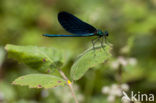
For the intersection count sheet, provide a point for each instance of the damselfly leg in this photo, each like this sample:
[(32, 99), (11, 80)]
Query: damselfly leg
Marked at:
[(94, 42)]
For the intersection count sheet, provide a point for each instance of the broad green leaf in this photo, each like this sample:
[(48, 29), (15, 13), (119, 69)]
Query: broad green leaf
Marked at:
[(39, 81), (89, 59), (40, 58)]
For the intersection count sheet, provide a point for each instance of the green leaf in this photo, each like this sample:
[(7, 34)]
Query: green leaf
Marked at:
[(89, 59), (39, 81), (40, 58)]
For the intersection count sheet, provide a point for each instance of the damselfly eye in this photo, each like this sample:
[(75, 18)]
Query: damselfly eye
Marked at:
[(106, 33)]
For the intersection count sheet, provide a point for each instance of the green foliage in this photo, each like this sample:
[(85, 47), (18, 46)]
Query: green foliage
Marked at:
[(40, 58), (2, 55), (133, 72), (131, 26), (7, 92), (25, 101), (89, 59), (39, 81), (43, 58)]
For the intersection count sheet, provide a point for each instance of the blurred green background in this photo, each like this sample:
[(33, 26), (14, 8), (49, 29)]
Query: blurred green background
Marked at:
[(131, 25)]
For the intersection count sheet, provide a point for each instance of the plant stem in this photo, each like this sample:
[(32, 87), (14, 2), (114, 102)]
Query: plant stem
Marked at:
[(69, 84)]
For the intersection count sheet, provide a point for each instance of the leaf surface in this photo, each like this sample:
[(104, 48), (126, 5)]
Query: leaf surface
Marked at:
[(89, 59), (40, 58), (39, 81)]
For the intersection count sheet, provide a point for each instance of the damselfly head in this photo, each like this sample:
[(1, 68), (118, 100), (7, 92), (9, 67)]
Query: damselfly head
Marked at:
[(100, 33), (106, 33)]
